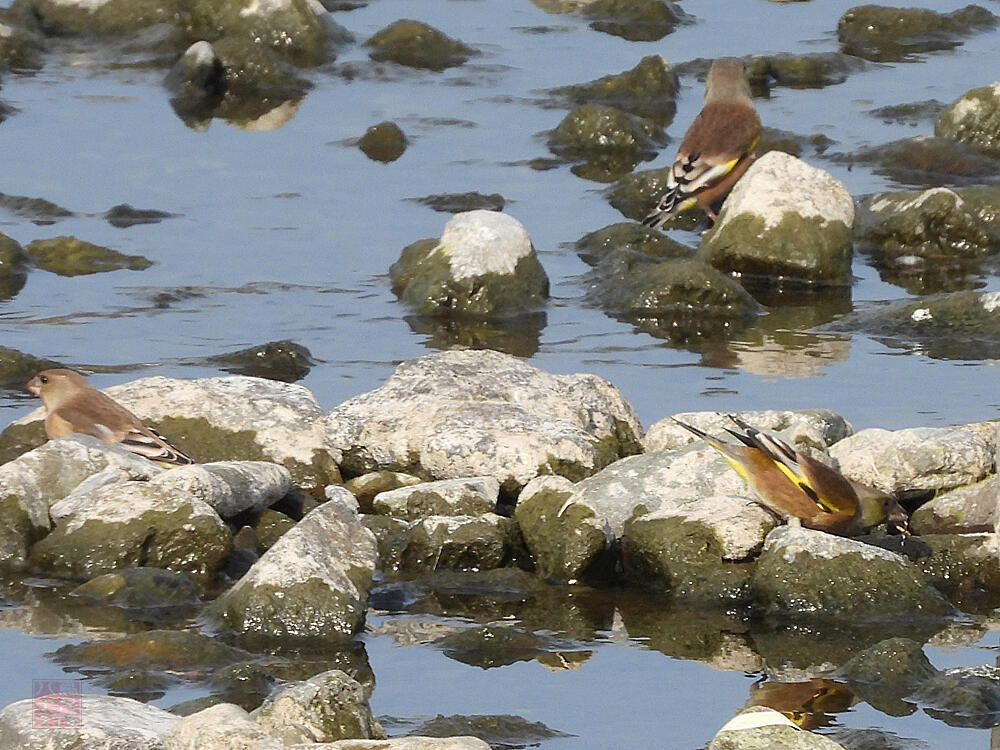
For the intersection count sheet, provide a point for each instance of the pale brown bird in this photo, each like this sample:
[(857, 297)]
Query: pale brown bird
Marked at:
[(73, 406), (717, 149), (793, 485)]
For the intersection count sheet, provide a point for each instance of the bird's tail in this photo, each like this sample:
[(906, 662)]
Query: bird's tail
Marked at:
[(665, 208)]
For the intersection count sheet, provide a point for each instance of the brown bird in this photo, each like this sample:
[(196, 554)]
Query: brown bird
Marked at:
[(73, 406), (793, 485), (717, 149)]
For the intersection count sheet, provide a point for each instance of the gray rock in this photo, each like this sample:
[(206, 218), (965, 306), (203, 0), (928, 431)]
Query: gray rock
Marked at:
[(785, 220), (810, 574), (103, 722), (31, 484), (966, 510), (932, 458), (805, 429), (448, 497), (974, 118), (235, 418), (459, 543), (223, 726), (483, 265), (401, 743), (328, 707), (129, 524), (312, 584), (367, 486), (476, 413), (962, 566), (761, 728), (230, 487), (417, 45)]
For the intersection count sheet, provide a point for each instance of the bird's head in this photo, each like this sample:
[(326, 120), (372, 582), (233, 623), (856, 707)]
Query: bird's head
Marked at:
[(53, 386)]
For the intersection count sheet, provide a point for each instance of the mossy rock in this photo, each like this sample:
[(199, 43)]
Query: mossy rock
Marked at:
[(68, 256)]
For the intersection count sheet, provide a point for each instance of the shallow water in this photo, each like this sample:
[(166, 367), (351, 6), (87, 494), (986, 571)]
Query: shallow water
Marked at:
[(288, 234)]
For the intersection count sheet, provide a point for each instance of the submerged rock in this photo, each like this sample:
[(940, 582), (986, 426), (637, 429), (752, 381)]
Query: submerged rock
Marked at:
[(785, 221), (312, 585), (484, 265), (925, 161), (648, 90), (635, 20), (417, 45), (595, 246), (499, 731), (17, 368), (146, 591), (592, 132), (384, 142), (974, 118), (455, 203), (458, 414), (814, 70), (886, 34), (277, 360), (68, 256), (13, 267)]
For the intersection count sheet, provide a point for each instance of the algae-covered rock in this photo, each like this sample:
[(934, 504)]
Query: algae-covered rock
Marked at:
[(312, 585), (885, 34), (910, 113), (458, 414), (597, 245), (480, 542), (962, 566), (931, 458), (277, 360), (887, 672), (383, 142), (128, 524), (925, 161), (61, 17), (456, 203), (974, 118), (484, 265), (328, 707), (197, 81), (683, 300), (613, 139), (367, 486), (636, 193), (785, 221), (258, 81), (813, 70), (150, 593), (960, 325), (448, 497), (13, 267), (19, 48), (648, 90), (68, 256), (803, 573), (417, 45), (17, 368), (635, 20)]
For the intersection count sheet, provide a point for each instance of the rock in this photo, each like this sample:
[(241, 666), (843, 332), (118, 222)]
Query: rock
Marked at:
[(963, 697), (962, 566), (885, 34), (13, 268), (62, 17), (19, 48), (277, 360), (911, 113), (418, 45), (17, 368), (805, 574), (966, 510), (311, 585), (925, 161), (961, 325), (234, 419), (484, 265), (498, 730), (402, 743), (459, 543), (229, 487), (634, 194), (68, 256), (98, 721), (595, 246), (784, 221), (683, 300), (634, 20), (32, 484), (812, 70), (123, 216), (930, 458), (128, 524), (974, 118), (219, 727), (151, 593), (197, 81), (367, 486), (925, 228), (448, 497), (328, 707), (647, 90), (761, 727), (457, 414), (455, 203), (599, 133), (806, 429), (271, 526), (384, 142)]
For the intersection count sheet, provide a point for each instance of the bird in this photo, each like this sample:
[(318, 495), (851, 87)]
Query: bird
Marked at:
[(793, 485), (717, 149), (72, 405)]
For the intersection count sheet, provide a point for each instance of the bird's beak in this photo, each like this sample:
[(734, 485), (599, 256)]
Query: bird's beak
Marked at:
[(33, 386)]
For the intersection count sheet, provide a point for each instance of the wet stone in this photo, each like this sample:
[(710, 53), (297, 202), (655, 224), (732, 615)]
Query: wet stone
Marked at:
[(816, 70), (270, 527), (37, 210), (911, 114), (459, 543), (925, 161), (197, 81), (449, 497), (17, 368), (68, 256), (493, 646), (962, 697), (963, 567), (258, 80), (974, 118), (417, 45), (384, 142), (276, 360), (966, 510), (455, 203), (13, 268), (647, 90), (367, 486), (150, 592), (634, 20), (886, 34), (628, 235), (159, 650), (498, 730), (592, 132), (123, 215)]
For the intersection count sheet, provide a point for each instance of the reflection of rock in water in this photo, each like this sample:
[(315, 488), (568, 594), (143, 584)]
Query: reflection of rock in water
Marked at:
[(519, 335)]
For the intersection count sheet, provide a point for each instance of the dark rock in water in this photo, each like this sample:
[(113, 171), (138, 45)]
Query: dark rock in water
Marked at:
[(418, 45), (13, 268), (68, 256), (647, 90), (197, 81), (925, 161), (20, 49), (963, 697), (123, 215), (17, 368), (635, 20), (493, 646), (887, 673), (910, 114), (244, 553), (500, 731), (974, 118), (612, 140), (284, 361), (887, 34), (384, 142), (594, 247), (155, 650), (38, 210), (815, 70), (454, 203), (151, 593)]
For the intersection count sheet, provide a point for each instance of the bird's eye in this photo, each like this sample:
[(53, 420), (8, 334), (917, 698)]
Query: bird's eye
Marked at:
[(44, 379)]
